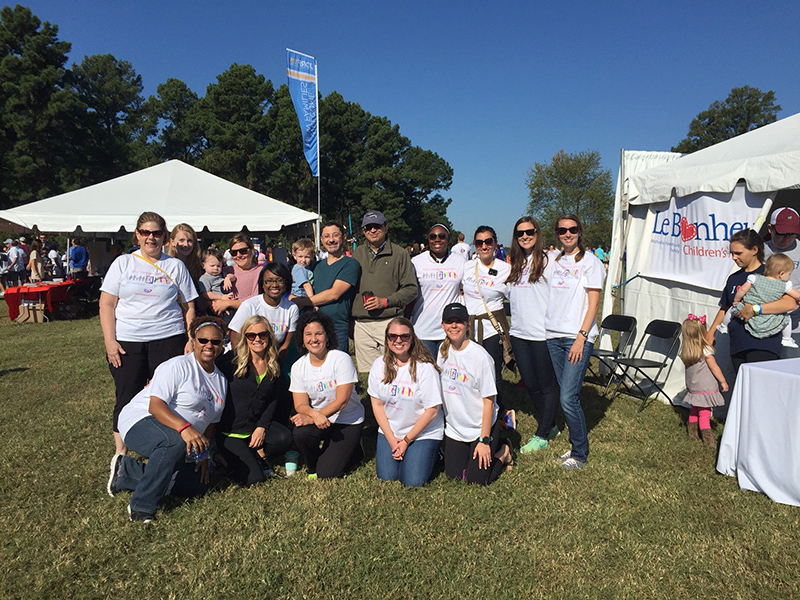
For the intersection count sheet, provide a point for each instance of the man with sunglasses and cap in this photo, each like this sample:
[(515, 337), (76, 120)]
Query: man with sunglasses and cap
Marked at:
[(784, 227), (386, 286)]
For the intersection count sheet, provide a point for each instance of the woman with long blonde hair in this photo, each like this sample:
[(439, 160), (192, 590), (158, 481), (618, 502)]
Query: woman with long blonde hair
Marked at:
[(183, 246), (248, 431), (406, 394)]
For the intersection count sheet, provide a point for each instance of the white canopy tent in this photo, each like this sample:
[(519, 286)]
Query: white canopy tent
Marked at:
[(672, 223), (178, 192)]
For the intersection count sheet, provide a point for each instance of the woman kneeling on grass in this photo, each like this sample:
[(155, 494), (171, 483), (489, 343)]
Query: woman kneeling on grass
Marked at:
[(472, 448), (406, 394), (247, 432), (171, 418), (330, 416)]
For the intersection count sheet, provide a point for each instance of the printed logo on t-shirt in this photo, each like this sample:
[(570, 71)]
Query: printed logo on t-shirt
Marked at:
[(562, 274), (280, 327), (324, 386), (438, 275), (454, 374)]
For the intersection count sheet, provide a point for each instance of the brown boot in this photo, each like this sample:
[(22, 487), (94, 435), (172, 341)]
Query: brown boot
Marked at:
[(693, 431), (708, 438)]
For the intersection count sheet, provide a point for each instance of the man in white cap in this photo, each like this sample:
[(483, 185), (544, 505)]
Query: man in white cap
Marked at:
[(784, 227), (386, 286), (16, 263)]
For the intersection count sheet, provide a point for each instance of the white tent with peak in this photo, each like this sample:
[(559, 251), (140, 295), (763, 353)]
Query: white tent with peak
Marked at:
[(178, 192), (673, 222)]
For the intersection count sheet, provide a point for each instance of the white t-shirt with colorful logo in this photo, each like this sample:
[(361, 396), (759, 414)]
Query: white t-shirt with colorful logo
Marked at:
[(492, 286), (467, 378), (529, 305), (404, 400), (320, 384), (148, 307), (190, 391), (569, 300), (439, 285), (283, 317)]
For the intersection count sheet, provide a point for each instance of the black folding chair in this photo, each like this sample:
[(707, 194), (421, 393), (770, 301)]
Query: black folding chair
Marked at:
[(657, 336), (626, 327)]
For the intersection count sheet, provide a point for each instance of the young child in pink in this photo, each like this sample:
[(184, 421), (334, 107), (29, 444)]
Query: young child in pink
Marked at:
[(703, 378)]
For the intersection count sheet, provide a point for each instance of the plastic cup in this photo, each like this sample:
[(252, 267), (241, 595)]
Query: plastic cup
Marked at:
[(291, 468)]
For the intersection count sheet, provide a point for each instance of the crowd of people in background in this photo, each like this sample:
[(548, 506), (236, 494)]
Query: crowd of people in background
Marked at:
[(245, 357)]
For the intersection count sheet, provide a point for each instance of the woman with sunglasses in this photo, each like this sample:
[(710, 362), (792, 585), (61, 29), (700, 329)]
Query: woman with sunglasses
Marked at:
[(576, 279), (406, 394), (529, 295), (330, 416), (439, 273), (473, 450), (248, 431), (271, 303), (242, 278), (485, 290), (171, 418), (146, 303)]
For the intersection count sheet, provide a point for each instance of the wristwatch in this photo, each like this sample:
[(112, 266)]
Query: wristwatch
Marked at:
[(584, 333), (485, 440)]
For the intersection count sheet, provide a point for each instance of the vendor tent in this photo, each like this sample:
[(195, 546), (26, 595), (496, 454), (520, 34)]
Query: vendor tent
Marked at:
[(178, 192), (672, 224)]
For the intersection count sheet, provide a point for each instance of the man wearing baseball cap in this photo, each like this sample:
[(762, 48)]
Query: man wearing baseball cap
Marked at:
[(387, 285), (784, 227)]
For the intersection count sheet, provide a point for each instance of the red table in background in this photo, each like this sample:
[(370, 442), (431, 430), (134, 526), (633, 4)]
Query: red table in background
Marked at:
[(49, 294)]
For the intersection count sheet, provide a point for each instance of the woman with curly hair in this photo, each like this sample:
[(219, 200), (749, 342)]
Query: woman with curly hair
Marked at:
[(330, 416), (406, 394), (248, 431)]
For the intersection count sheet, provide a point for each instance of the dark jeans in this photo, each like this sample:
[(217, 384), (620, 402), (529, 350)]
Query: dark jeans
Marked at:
[(750, 356), (164, 473), (341, 448), (536, 369), (495, 349), (138, 365), (459, 463), (415, 468), (433, 347), (243, 460), (343, 340)]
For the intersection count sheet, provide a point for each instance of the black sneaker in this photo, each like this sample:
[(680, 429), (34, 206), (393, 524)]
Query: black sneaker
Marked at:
[(266, 468), (116, 464), (140, 517)]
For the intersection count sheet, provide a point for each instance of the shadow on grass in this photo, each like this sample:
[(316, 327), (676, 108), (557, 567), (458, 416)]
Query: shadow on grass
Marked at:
[(4, 372)]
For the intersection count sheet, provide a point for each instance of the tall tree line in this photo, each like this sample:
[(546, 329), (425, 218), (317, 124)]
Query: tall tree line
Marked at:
[(63, 127)]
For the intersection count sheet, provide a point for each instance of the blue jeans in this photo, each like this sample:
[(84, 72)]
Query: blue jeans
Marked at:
[(432, 346), (570, 378), (415, 468), (165, 471), (342, 340), (536, 370)]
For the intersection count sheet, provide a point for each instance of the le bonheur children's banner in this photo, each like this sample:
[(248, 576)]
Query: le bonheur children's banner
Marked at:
[(691, 238)]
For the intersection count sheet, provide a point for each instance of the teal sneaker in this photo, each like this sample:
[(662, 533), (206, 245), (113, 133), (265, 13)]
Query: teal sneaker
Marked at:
[(553, 433), (534, 445)]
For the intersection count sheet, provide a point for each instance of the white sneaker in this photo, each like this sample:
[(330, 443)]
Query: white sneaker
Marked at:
[(788, 342), (722, 328)]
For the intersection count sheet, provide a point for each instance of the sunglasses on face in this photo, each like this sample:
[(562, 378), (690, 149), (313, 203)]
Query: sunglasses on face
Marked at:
[(403, 337), (452, 321), (213, 342), (147, 233), (240, 251), (373, 227), (252, 335), (486, 242), (522, 232), (563, 230), (437, 236)]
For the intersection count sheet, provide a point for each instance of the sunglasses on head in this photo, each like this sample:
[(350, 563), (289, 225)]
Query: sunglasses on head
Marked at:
[(252, 335), (147, 233), (563, 230), (437, 236), (529, 232), (213, 342), (239, 251), (404, 337), (487, 242)]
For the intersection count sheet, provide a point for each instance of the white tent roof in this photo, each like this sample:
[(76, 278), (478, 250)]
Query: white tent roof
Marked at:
[(767, 158), (178, 192)]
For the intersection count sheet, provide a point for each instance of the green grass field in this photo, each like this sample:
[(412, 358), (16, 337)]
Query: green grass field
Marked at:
[(647, 518)]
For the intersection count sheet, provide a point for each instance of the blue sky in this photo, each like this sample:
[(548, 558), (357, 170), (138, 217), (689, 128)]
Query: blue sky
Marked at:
[(492, 87)]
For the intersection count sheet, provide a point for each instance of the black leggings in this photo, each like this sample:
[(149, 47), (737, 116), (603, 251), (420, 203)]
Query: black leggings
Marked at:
[(243, 460), (459, 463), (495, 349), (341, 448), (138, 365), (536, 370)]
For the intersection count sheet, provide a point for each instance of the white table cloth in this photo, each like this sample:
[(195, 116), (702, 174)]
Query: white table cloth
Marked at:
[(761, 442)]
